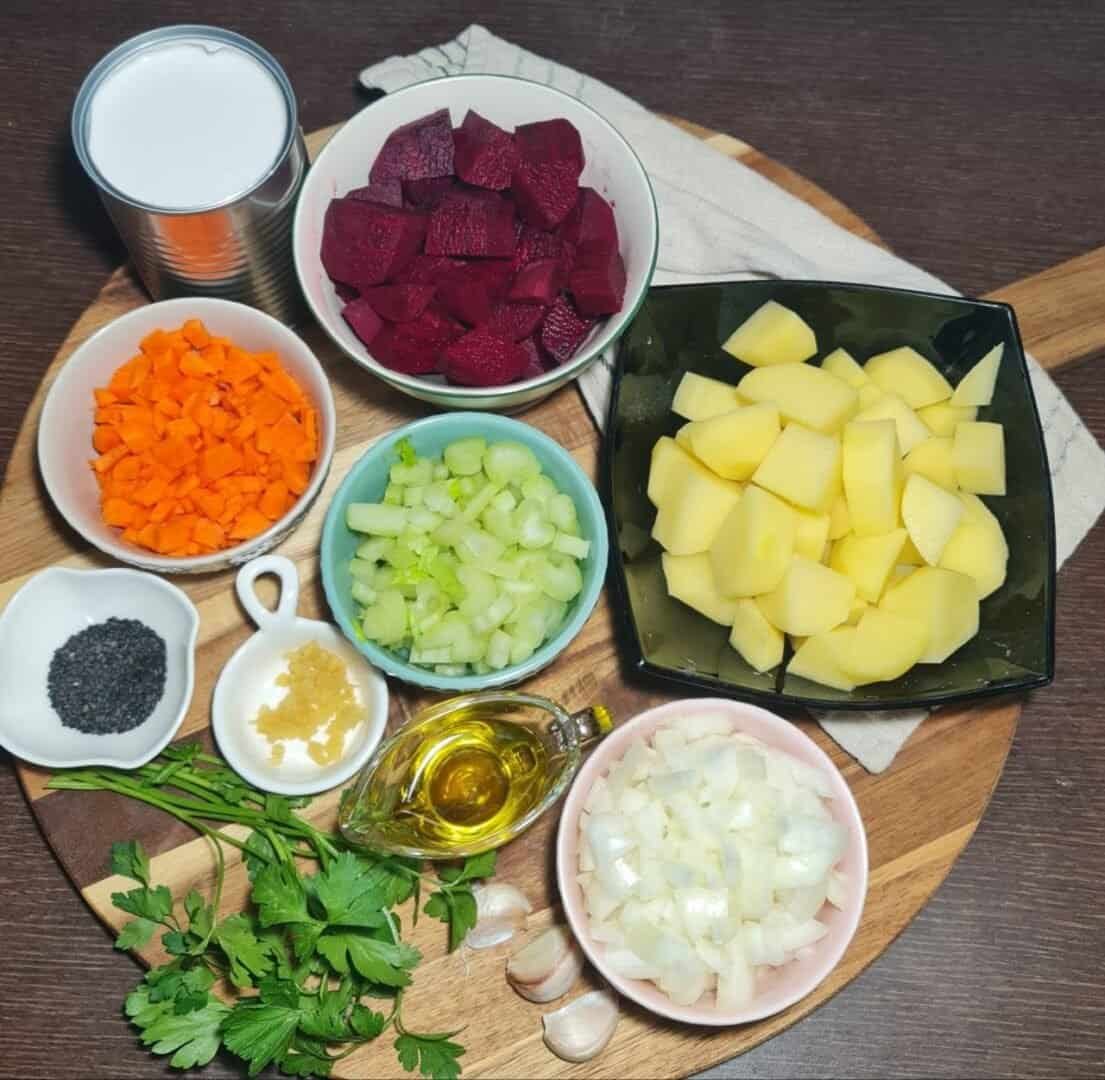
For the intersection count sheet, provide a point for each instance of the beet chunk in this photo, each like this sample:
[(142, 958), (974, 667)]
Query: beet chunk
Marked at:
[(427, 192), (471, 292), (417, 150), (534, 359), (545, 193), (563, 330), (400, 303), (537, 282), (590, 227), (364, 243), (549, 140), (389, 192), (427, 270), (472, 222), (482, 359), (597, 284), (531, 244), (485, 154), (346, 292), (415, 347), (362, 319), (515, 321)]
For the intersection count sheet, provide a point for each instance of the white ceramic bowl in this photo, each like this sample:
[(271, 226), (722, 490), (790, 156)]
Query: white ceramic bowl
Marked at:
[(248, 681), (65, 427), (612, 168), (47, 611), (778, 988)]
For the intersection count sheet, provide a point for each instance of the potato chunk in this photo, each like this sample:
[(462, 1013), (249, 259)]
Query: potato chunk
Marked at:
[(810, 598), (944, 601), (977, 386), (908, 374), (753, 547), (911, 430), (690, 579), (978, 547), (668, 463), (933, 459), (734, 443), (772, 334), (872, 476), (760, 643), (930, 513), (811, 533), (884, 647), (694, 505), (840, 519), (942, 418), (978, 453), (868, 560), (818, 659), (698, 397), (807, 395), (841, 364), (802, 466)]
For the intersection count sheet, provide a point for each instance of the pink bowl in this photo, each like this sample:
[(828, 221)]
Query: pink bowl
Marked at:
[(778, 987)]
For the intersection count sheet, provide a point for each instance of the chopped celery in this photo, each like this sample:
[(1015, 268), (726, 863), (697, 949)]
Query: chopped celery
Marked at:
[(424, 521), (498, 650), (385, 622), (571, 545), (441, 471), (562, 513), (540, 488), (478, 546), (492, 616), (414, 495), (393, 495), (450, 671), (479, 502), (561, 579), (464, 457), (500, 523), (534, 529), (365, 595), (467, 486), (363, 570), (431, 656), (510, 462), (376, 519), (374, 549), (438, 499), (507, 568), (417, 472), (505, 500)]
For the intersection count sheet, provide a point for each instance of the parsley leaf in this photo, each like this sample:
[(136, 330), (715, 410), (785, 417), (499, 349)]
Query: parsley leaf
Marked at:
[(153, 904), (258, 854), (367, 1023), (475, 866), (347, 897), (135, 934), (280, 897), (456, 907), (434, 1056), (248, 957), (193, 1038), (259, 1033), (324, 1017), (201, 917), (277, 991), (378, 961), (300, 1064), (130, 860)]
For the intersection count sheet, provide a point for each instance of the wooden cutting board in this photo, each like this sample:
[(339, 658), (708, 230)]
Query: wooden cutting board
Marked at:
[(919, 814)]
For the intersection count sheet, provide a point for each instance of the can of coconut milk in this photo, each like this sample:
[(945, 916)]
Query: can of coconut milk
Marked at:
[(191, 134)]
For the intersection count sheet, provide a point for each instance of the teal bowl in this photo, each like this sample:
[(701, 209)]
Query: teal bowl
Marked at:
[(366, 481)]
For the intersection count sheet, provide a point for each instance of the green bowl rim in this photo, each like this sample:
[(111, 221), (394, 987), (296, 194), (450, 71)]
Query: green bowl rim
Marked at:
[(712, 684), (480, 423), (462, 394)]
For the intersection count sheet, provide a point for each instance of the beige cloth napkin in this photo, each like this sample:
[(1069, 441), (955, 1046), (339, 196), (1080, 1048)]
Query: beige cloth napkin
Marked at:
[(720, 221)]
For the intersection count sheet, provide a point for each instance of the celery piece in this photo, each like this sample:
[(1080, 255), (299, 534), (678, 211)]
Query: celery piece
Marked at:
[(431, 656), (562, 513), (498, 650), (477, 546), (450, 532), (420, 471), (376, 519), (374, 549), (441, 471), (450, 671), (467, 486), (479, 502), (540, 488), (504, 500), (510, 462), (500, 523), (464, 457), (534, 529), (572, 546), (393, 495), (385, 622), (560, 579), (555, 611), (438, 499), (401, 557), (423, 520), (363, 570), (494, 615), (480, 590), (414, 495), (364, 594)]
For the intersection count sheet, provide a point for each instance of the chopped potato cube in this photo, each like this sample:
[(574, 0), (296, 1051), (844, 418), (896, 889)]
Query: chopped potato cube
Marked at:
[(944, 601), (734, 443), (669, 460), (808, 395), (840, 520), (911, 430), (910, 556), (930, 513), (908, 374), (690, 579), (698, 397), (942, 418), (884, 647), (872, 476), (869, 394), (978, 547), (977, 386), (772, 334), (811, 534), (868, 560), (760, 643), (841, 364), (754, 545), (859, 606), (693, 508), (802, 466), (978, 453), (810, 598), (818, 659), (933, 459)]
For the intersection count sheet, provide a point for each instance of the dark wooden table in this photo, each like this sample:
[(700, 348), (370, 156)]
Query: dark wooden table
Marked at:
[(970, 136)]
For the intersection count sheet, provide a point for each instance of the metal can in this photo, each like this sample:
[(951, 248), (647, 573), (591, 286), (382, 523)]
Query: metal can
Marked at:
[(208, 241)]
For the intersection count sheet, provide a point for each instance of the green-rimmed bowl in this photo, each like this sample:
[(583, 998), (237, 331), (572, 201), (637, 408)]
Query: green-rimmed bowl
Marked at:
[(366, 482), (612, 169)]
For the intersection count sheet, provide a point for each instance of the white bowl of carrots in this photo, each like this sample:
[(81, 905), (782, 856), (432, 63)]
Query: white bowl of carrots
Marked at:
[(187, 436)]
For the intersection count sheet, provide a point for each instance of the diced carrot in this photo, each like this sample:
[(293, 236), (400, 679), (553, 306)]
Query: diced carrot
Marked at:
[(168, 405), (106, 461), (287, 436), (214, 356), (156, 341), (231, 510), (186, 485), (245, 428), (283, 386), (274, 499), (196, 333), (104, 437), (192, 363), (127, 468), (104, 396), (266, 408), (296, 476), (117, 511), (210, 503), (173, 535), (248, 524), (239, 366), (220, 460), (162, 510), (183, 427), (268, 360), (210, 534), (250, 484)]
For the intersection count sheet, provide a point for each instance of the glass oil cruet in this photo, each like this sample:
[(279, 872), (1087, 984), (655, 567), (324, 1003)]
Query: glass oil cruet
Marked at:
[(467, 774)]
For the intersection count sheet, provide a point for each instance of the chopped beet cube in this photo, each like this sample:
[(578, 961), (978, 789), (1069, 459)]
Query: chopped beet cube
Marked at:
[(389, 192), (531, 244), (346, 292), (427, 192), (364, 243), (480, 358), (597, 283), (590, 227), (485, 154), (534, 359), (415, 347), (427, 270), (537, 282), (550, 140), (416, 150), (399, 303), (471, 222), (545, 192), (515, 321), (471, 292), (563, 330), (362, 319)]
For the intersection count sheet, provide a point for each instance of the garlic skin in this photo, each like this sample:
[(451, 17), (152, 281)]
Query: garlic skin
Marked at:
[(501, 912), (546, 967), (581, 1029)]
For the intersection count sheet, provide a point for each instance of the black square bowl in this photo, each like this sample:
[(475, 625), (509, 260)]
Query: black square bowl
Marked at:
[(680, 328)]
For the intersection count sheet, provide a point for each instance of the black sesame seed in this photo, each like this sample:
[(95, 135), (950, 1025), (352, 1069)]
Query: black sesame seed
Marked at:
[(109, 677)]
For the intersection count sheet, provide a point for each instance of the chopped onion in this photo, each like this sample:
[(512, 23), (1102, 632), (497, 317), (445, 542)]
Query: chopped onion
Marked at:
[(705, 856)]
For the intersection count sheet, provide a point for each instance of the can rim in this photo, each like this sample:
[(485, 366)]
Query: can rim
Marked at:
[(127, 49)]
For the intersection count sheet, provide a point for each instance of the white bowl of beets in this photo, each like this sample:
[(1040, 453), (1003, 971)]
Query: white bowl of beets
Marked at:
[(476, 241)]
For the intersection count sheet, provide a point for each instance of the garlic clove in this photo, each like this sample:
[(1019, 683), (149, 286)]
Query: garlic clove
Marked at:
[(582, 1028), (501, 912), (546, 967)]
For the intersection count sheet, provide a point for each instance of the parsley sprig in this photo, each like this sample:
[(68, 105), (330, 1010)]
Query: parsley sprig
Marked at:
[(303, 965)]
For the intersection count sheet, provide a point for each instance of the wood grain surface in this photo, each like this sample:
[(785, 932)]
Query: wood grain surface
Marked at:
[(962, 134)]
